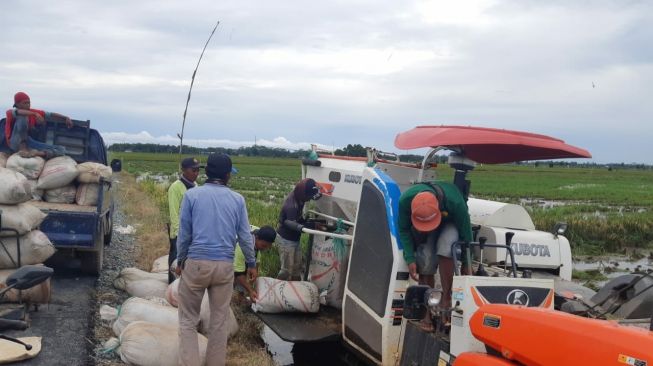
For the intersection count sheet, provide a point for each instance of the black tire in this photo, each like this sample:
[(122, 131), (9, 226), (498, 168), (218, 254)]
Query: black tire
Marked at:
[(92, 261)]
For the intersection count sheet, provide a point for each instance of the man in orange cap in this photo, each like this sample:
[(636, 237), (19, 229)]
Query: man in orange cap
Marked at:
[(20, 120), (432, 216)]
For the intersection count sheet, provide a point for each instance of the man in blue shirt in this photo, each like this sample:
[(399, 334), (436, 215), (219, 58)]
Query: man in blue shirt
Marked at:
[(212, 220)]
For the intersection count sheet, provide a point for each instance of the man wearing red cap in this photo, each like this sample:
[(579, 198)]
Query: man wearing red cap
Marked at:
[(20, 120), (432, 216)]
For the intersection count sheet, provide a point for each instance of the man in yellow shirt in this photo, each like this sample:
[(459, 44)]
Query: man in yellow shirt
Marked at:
[(263, 239), (190, 169)]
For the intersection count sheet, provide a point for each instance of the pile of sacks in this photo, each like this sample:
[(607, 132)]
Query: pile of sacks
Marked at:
[(147, 323), (23, 220), (60, 179)]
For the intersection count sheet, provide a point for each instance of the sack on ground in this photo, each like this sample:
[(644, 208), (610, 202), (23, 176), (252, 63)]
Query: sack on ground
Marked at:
[(29, 167), (3, 159), (35, 248), (87, 194), (37, 194), (65, 194), (90, 172), (22, 217), (172, 292), (14, 187), (142, 284), (39, 294), (160, 265), (135, 309), (158, 300), (58, 172), (148, 344), (277, 296), (328, 269), (205, 318)]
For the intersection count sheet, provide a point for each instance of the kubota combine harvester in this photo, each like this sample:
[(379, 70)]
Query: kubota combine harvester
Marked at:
[(504, 318)]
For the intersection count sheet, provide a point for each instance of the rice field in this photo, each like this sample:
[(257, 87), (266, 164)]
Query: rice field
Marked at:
[(608, 211)]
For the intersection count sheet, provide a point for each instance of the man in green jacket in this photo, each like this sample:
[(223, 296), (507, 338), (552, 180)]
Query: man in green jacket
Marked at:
[(190, 169), (432, 216)]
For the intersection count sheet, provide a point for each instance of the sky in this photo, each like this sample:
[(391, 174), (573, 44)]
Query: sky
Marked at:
[(291, 73)]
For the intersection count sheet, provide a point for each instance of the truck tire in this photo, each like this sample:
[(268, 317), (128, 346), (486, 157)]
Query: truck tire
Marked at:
[(92, 261)]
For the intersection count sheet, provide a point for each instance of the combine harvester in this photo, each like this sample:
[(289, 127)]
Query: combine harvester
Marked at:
[(373, 307)]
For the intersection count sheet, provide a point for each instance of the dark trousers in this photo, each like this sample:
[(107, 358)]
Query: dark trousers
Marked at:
[(172, 255)]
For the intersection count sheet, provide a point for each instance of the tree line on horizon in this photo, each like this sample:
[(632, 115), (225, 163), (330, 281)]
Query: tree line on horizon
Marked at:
[(356, 150)]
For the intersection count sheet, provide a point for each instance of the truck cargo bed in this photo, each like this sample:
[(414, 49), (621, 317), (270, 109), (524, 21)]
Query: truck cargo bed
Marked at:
[(303, 328), (65, 207)]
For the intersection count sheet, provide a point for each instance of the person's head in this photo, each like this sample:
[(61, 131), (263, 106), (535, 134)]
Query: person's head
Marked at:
[(21, 100), (190, 169), (425, 212), (218, 166), (264, 237), (306, 190)]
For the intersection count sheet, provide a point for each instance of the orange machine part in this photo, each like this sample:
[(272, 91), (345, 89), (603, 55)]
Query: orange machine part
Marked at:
[(544, 337), (480, 359)]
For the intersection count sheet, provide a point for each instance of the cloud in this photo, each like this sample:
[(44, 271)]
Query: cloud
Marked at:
[(145, 137)]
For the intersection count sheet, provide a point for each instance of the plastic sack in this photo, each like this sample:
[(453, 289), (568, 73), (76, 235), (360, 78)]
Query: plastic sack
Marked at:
[(65, 194), (139, 283), (39, 294), (14, 187), (277, 296), (3, 159), (160, 265), (37, 194), (87, 194), (172, 292), (328, 268), (35, 247), (29, 167), (135, 309), (148, 344), (58, 172), (90, 172), (22, 217)]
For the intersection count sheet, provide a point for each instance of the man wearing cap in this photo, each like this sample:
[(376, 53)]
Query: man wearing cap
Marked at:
[(291, 223), (213, 218), (190, 169), (20, 121), (432, 216), (263, 239)]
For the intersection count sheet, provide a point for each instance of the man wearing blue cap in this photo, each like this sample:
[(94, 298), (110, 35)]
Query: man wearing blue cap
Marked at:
[(190, 169), (212, 220)]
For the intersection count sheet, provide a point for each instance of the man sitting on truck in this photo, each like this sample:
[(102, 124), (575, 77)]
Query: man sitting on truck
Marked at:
[(20, 121), (190, 169), (263, 239), (291, 223), (432, 216)]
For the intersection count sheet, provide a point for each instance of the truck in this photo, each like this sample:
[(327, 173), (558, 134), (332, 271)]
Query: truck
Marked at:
[(79, 231), (374, 312)]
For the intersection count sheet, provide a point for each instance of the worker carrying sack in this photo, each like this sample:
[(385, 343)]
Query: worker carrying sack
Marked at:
[(65, 194), (58, 172), (277, 296), (22, 217), (35, 247), (29, 167), (14, 187), (148, 344), (90, 172)]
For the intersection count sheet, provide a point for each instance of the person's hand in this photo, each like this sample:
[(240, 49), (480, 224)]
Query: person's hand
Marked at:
[(69, 123), (412, 269), (253, 296), (38, 117), (178, 270), (252, 274)]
